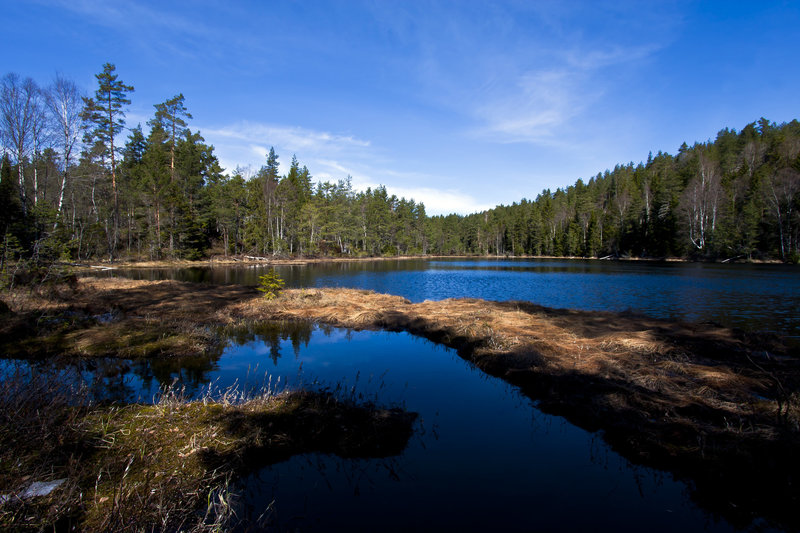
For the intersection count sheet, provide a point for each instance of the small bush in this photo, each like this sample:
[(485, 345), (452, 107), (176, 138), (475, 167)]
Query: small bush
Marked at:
[(271, 284)]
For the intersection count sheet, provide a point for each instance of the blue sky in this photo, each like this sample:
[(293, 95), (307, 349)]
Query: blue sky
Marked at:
[(462, 105)]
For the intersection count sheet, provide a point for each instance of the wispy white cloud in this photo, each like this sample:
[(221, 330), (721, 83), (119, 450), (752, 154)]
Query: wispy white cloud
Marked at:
[(438, 201), (332, 157), (136, 16), (293, 138), (247, 143), (133, 119), (163, 32), (534, 107), (544, 105), (534, 72), (442, 201), (330, 170)]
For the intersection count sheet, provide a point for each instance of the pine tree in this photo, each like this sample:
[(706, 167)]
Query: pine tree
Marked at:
[(11, 215), (105, 115), (170, 117)]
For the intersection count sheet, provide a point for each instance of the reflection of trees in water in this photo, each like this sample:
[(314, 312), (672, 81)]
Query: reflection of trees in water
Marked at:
[(294, 275), (115, 379), (98, 378), (190, 373), (273, 335)]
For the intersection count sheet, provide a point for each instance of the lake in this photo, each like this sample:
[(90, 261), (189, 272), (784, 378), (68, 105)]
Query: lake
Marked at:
[(749, 296), (482, 456)]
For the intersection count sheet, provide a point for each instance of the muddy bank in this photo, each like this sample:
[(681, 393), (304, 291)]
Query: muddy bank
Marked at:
[(715, 406)]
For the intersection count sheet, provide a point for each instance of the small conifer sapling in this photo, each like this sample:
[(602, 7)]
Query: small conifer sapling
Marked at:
[(271, 284)]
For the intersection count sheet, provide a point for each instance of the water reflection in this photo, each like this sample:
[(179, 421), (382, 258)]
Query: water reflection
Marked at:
[(482, 457), (274, 335), (477, 440)]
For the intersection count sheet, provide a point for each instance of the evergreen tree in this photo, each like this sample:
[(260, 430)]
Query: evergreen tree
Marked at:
[(11, 216), (169, 116), (105, 115)]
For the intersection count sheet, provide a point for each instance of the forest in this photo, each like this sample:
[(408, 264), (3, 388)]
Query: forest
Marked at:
[(77, 185)]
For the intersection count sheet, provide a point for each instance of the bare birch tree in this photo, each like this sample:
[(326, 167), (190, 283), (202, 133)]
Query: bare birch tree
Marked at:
[(65, 102), (17, 99), (701, 200)]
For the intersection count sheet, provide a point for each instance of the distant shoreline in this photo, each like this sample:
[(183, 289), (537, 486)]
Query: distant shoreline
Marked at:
[(300, 261)]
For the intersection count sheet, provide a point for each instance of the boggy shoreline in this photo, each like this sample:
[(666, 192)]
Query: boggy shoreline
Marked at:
[(715, 406), (245, 260)]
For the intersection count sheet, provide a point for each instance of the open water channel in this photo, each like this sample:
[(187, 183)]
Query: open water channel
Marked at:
[(482, 457)]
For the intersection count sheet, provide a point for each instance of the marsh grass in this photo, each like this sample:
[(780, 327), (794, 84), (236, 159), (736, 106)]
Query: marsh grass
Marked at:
[(705, 401), (166, 466)]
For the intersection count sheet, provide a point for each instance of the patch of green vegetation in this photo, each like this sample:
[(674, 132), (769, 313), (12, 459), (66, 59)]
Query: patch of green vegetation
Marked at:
[(134, 338)]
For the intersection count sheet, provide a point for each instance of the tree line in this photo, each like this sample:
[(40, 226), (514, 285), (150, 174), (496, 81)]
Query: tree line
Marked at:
[(76, 185), (735, 197)]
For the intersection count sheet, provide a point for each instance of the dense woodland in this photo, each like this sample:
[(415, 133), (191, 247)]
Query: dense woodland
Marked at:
[(75, 184)]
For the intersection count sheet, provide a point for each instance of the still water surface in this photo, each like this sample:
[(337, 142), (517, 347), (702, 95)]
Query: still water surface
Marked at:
[(482, 456), (752, 297)]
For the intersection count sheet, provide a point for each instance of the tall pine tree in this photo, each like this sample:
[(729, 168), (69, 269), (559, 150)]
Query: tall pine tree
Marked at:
[(105, 115)]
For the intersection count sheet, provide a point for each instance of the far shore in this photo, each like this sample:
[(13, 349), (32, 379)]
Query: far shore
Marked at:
[(716, 406), (221, 260)]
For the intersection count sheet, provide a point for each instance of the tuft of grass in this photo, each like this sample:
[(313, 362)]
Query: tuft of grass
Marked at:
[(166, 466)]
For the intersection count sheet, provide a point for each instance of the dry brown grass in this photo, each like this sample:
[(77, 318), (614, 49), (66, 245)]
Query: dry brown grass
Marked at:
[(163, 467), (509, 339)]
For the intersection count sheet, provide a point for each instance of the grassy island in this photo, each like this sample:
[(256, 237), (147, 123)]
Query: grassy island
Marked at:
[(717, 407)]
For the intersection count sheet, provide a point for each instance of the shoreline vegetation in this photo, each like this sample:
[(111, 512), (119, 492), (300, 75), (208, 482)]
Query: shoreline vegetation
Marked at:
[(717, 407), (167, 196), (231, 260)]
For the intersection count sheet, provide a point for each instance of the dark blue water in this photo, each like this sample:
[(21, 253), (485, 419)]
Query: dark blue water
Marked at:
[(751, 297), (482, 456)]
